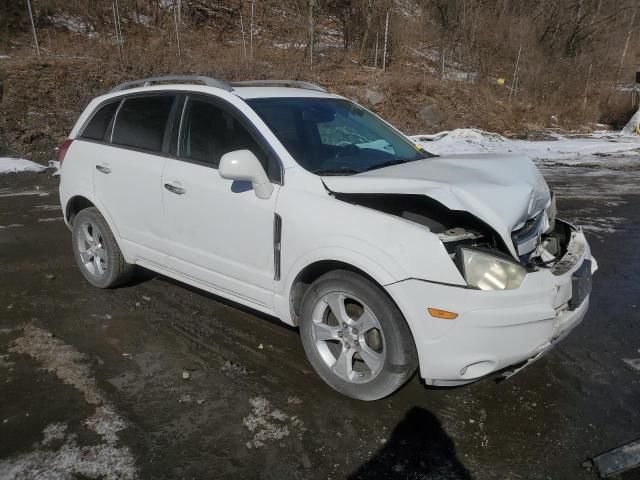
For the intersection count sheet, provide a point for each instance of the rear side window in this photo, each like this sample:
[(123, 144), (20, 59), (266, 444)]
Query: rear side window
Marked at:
[(97, 127), (141, 122)]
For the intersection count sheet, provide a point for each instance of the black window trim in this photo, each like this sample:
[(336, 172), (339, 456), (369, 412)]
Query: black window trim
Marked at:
[(109, 134), (238, 115), (170, 144), (108, 131), (163, 152)]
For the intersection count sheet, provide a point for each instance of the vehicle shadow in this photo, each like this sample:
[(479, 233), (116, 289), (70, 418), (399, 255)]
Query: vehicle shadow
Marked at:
[(417, 448)]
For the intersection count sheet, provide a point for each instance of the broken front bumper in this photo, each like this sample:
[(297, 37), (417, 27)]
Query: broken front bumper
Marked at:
[(495, 329)]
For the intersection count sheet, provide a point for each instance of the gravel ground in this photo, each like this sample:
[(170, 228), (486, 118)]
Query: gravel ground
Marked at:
[(159, 380)]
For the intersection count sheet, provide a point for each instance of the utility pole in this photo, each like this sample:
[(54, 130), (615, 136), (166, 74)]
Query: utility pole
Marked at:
[(244, 43), (386, 33), (514, 86), (375, 61), (33, 27), (251, 32), (177, 21)]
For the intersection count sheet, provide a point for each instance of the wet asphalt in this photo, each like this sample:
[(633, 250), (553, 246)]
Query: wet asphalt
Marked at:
[(199, 387)]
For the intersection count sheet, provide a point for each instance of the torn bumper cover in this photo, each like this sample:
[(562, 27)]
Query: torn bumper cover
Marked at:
[(495, 330)]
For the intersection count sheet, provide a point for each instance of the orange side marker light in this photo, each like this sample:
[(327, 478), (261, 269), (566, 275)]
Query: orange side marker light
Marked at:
[(443, 314)]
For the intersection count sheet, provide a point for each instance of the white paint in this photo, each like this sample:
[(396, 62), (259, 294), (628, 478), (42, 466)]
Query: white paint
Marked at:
[(219, 236)]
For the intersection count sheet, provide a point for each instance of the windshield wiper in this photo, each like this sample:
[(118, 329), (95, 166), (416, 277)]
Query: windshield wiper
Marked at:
[(336, 171), (396, 161)]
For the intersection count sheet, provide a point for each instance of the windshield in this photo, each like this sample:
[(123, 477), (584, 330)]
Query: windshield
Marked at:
[(330, 136)]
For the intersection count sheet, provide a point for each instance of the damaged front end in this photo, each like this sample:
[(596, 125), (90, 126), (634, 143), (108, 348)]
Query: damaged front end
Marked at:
[(481, 254)]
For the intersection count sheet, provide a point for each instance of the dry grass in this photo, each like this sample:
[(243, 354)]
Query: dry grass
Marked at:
[(43, 97)]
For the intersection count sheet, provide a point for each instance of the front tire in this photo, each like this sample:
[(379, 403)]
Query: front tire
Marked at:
[(355, 337), (96, 251)]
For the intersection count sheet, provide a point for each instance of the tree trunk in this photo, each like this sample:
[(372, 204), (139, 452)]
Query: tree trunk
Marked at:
[(626, 44)]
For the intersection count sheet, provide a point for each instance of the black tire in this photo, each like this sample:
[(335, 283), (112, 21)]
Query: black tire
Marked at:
[(399, 359), (115, 270)]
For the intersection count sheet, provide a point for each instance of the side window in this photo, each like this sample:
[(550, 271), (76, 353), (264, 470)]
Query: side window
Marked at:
[(208, 132), (96, 129), (141, 122)]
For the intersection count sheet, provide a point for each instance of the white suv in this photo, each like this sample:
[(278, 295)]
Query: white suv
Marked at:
[(304, 205)]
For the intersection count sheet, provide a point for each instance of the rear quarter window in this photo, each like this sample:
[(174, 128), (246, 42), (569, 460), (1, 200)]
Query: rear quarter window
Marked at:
[(97, 127), (141, 122)]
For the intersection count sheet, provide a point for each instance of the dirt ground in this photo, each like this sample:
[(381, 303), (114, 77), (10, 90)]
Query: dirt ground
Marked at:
[(159, 380)]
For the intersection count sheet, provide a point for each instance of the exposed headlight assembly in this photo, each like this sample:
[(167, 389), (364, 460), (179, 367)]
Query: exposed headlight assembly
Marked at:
[(485, 271)]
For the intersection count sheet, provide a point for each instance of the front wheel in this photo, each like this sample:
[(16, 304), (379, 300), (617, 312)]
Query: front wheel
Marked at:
[(355, 337)]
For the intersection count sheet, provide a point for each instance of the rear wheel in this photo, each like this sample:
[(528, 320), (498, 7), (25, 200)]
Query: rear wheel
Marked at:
[(96, 251), (355, 337)]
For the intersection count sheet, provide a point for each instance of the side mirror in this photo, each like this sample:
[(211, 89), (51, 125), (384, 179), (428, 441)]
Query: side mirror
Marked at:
[(243, 165)]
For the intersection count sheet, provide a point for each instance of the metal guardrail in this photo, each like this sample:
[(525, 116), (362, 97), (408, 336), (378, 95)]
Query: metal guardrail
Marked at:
[(214, 82)]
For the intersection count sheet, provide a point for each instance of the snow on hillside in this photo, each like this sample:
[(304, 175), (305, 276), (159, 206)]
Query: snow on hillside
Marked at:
[(15, 165), (599, 147)]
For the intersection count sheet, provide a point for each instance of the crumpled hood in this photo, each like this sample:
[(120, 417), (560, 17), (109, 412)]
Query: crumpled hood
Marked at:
[(503, 190)]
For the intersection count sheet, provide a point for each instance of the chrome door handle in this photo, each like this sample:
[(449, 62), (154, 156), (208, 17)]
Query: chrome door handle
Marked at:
[(174, 189), (103, 169)]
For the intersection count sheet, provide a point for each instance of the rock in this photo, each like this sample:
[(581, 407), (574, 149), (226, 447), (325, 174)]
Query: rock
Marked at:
[(373, 97), (430, 114), (186, 375), (50, 276)]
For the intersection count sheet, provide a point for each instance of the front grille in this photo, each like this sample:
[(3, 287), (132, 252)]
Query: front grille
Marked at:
[(525, 238)]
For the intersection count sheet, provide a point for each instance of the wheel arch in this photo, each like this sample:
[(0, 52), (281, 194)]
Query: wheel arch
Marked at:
[(79, 202), (74, 205), (315, 269)]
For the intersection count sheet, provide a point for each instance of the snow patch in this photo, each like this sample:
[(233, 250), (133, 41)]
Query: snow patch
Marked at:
[(70, 460), (61, 359), (464, 140), (600, 148), (267, 423), (74, 24), (55, 165), (16, 165)]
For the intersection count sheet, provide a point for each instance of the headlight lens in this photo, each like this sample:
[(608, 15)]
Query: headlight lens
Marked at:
[(489, 272)]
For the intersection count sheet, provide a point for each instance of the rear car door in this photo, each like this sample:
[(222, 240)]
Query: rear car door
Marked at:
[(219, 232), (128, 174)]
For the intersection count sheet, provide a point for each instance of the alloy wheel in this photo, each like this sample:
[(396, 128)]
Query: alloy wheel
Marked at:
[(348, 337), (91, 247)]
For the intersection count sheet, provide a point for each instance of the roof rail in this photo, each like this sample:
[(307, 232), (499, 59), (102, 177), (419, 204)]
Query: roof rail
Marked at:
[(145, 82), (279, 83)]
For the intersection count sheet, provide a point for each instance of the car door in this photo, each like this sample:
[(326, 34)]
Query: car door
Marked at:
[(128, 174), (219, 232)]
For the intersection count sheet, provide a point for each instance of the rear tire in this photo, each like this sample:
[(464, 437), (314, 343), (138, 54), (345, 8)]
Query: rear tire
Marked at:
[(96, 251), (355, 337)]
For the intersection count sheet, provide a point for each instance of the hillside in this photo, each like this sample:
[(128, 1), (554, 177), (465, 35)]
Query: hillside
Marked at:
[(509, 67)]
